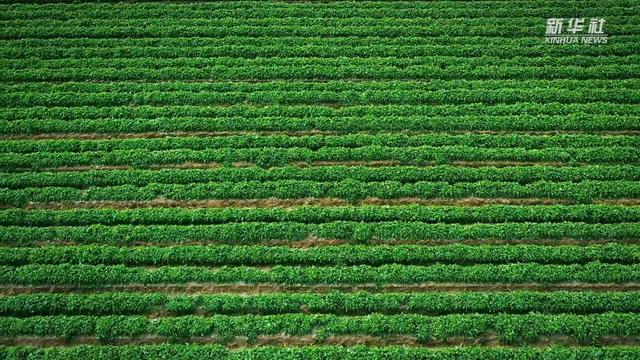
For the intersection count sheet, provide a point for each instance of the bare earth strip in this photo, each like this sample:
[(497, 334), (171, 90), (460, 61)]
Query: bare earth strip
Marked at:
[(242, 288)]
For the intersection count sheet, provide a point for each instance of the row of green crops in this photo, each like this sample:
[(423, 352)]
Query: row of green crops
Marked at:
[(320, 214), (301, 23), (318, 48), (98, 276), (320, 255), (311, 47), (335, 88), (467, 45), (342, 10), (273, 156), (352, 190), (255, 232), (577, 122), (256, 8), (159, 28), (435, 303), (518, 111), (321, 72), (402, 174), (308, 96), (334, 13), (315, 142), (509, 328), (182, 351), (148, 62), (293, 86)]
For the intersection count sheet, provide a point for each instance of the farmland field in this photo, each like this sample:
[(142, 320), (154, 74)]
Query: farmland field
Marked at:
[(325, 180)]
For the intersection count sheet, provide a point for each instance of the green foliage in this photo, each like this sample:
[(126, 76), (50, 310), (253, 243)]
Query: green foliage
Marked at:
[(572, 142), (96, 276), (458, 102), (256, 232), (269, 156), (359, 303), (595, 214), (403, 174), (511, 329), (352, 190), (251, 255), (192, 351)]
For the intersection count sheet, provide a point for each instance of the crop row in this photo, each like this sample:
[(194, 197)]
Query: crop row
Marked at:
[(429, 60), (257, 255), (331, 87), (307, 96), (207, 62), (509, 328), (334, 11), (255, 24), (348, 72), (98, 276), (270, 156), (240, 111), (311, 47), (323, 73), (351, 190), (431, 303), (255, 232), (258, 16), (228, 66), (322, 352), (322, 214), (255, 7), (315, 142), (576, 122), (201, 70), (337, 173), (161, 28), (341, 45), (467, 41)]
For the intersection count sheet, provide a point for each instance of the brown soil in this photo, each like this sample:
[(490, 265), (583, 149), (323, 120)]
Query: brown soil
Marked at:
[(373, 163), (507, 163), (84, 168), (618, 201), (472, 201)]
